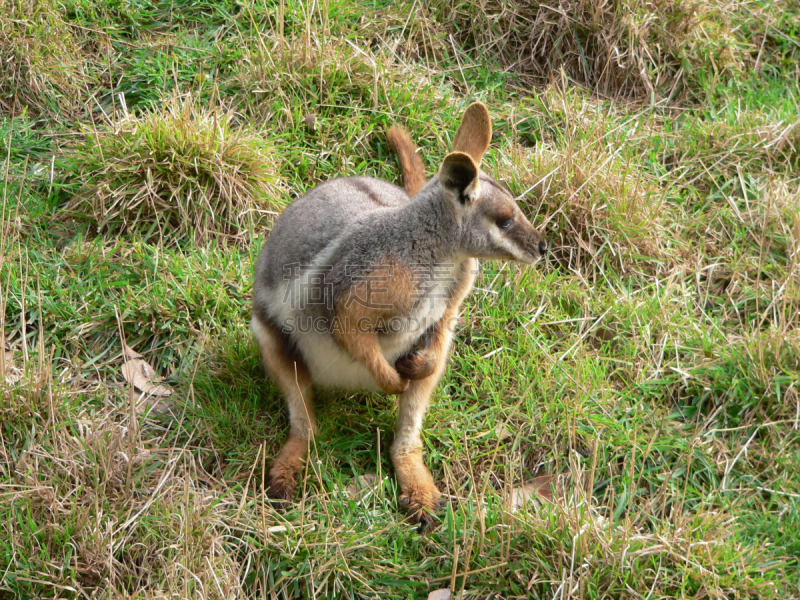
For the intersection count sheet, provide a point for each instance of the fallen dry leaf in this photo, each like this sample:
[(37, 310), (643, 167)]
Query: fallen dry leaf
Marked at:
[(361, 485), (439, 595), (541, 488), (138, 371), (8, 371), (502, 432)]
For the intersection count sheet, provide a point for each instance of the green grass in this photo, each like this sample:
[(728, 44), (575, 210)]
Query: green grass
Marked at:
[(650, 363)]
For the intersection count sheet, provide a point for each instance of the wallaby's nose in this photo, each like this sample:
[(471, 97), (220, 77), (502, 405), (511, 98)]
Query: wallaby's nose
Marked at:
[(542, 247)]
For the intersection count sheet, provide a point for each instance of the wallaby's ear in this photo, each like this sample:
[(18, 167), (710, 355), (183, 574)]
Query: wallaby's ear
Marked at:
[(459, 177), (475, 132)]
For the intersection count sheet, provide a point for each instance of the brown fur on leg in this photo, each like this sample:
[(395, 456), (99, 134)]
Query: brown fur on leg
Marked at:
[(293, 378), (418, 492), (361, 310), (416, 365)]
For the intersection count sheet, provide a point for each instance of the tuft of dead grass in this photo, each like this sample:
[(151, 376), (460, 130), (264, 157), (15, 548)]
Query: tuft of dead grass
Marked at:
[(178, 173), (600, 209), (42, 66), (100, 498), (416, 36), (621, 48), (717, 150), (322, 73)]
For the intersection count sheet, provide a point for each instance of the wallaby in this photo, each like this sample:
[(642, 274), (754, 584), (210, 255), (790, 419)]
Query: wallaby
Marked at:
[(359, 286)]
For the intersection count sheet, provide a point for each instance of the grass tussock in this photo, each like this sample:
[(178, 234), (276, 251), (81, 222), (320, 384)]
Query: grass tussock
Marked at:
[(325, 72), (82, 478), (601, 210), (42, 65), (183, 172), (718, 150), (623, 48)]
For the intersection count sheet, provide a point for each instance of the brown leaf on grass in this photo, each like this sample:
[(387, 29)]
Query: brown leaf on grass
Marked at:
[(541, 488), (8, 371), (362, 485), (502, 432), (439, 595), (138, 371)]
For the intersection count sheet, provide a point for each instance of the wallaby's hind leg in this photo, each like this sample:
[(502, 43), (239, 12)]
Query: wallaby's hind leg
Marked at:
[(294, 380), (418, 491), (419, 494)]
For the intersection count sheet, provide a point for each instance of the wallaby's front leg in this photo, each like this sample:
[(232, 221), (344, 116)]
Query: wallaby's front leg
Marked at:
[(366, 349), (294, 380), (362, 308)]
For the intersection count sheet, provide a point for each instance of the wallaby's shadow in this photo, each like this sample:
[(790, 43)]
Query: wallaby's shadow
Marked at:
[(232, 409)]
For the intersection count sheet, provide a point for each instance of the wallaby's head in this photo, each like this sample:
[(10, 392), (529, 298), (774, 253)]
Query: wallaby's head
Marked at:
[(492, 225)]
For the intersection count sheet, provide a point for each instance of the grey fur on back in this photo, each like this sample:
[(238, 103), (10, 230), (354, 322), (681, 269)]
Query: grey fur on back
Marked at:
[(346, 225), (311, 223)]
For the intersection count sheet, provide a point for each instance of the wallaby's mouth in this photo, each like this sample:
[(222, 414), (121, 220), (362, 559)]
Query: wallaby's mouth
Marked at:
[(529, 244), (532, 260)]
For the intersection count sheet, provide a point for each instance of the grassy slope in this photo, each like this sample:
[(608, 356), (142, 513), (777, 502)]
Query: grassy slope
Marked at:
[(651, 362)]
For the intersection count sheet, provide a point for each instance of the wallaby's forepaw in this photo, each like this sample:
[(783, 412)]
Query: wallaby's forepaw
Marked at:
[(395, 385), (422, 505), (416, 365)]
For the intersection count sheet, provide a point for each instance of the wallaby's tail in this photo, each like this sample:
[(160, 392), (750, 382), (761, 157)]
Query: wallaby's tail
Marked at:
[(410, 162)]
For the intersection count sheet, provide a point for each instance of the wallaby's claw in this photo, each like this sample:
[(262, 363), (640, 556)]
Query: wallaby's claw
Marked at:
[(422, 506)]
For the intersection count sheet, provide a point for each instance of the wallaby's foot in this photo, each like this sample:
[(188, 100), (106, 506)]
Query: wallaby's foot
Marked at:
[(281, 489), (416, 365), (282, 482), (418, 494), (422, 504)]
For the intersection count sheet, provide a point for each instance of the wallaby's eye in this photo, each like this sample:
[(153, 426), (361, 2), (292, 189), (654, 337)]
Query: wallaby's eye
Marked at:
[(505, 223)]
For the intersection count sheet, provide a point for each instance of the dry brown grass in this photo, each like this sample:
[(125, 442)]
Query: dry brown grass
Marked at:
[(42, 66), (602, 208), (721, 149), (93, 478), (181, 172), (324, 72), (596, 205), (111, 506), (622, 48)]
